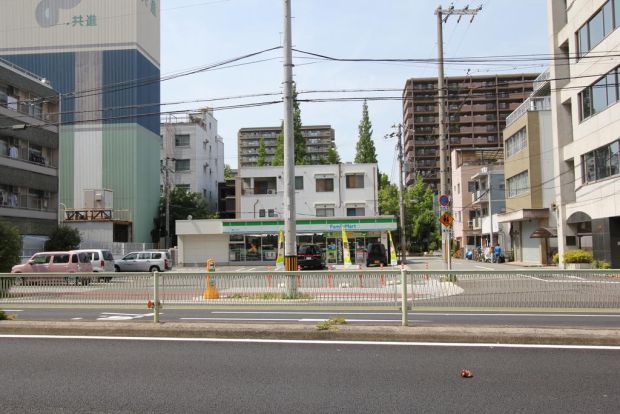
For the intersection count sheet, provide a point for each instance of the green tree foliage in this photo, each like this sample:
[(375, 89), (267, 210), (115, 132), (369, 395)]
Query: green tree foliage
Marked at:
[(301, 152), (332, 156), (182, 204), (365, 152), (10, 247), (63, 238), (262, 153), (421, 221), (228, 174), (388, 197)]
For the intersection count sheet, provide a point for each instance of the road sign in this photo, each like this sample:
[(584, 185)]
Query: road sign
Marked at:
[(444, 200), (446, 219)]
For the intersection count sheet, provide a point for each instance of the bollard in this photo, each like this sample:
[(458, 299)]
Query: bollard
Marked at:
[(211, 291)]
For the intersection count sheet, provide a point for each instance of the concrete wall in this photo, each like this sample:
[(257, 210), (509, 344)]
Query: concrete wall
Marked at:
[(194, 250)]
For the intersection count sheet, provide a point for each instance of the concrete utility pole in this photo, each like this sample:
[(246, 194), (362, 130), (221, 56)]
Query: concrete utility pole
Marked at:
[(442, 17), (290, 227)]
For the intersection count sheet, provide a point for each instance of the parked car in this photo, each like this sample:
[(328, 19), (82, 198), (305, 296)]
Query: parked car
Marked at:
[(376, 255), (72, 261), (146, 261), (310, 256), (102, 261)]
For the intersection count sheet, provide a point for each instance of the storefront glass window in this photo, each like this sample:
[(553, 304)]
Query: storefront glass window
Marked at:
[(253, 248)]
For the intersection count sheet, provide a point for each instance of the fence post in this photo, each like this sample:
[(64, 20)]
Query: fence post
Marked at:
[(403, 283), (156, 296)]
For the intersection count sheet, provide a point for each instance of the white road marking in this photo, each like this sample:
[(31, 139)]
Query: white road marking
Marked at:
[(240, 269), (320, 342), (76, 319), (568, 315), (250, 269), (293, 320), (580, 280), (123, 316), (484, 267), (13, 310)]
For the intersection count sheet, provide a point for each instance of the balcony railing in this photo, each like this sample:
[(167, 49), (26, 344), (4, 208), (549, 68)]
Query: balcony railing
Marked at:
[(530, 105), (541, 80)]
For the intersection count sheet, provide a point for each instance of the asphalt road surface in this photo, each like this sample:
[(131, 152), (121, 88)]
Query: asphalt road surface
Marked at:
[(357, 317), (168, 376)]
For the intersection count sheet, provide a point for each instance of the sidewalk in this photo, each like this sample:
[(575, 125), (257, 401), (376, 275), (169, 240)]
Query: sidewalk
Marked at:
[(450, 334)]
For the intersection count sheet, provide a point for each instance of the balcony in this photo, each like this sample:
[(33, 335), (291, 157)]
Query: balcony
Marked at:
[(531, 104), (476, 224)]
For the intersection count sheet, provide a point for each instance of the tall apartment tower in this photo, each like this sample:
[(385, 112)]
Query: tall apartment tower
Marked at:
[(103, 57), (319, 139), (585, 124), (476, 110)]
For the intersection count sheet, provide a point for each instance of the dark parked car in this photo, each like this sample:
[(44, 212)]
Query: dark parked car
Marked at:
[(310, 256), (376, 255)]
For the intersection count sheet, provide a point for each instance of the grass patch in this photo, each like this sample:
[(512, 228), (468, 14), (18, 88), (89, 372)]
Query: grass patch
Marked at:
[(330, 323), (271, 296)]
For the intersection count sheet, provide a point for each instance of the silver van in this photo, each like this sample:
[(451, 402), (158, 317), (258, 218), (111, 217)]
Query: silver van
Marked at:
[(145, 261), (102, 261)]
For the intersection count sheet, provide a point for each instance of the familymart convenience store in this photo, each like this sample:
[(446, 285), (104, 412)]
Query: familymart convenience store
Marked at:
[(255, 242)]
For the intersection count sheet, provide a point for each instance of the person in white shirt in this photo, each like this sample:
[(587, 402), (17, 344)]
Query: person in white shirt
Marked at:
[(13, 151)]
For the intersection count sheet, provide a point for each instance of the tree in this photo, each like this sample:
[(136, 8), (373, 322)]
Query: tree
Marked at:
[(365, 152), (301, 152), (228, 174), (388, 197), (182, 205), (332, 156), (63, 238), (421, 221), (262, 153), (10, 247)]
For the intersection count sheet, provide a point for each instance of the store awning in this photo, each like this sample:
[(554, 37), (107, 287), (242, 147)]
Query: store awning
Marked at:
[(578, 217), (544, 233)]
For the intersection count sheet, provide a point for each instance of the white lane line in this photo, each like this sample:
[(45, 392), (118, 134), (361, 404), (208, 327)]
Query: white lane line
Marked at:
[(484, 267), (250, 269), (111, 316), (580, 280), (319, 342), (555, 315), (13, 310), (293, 320), (240, 269), (76, 319)]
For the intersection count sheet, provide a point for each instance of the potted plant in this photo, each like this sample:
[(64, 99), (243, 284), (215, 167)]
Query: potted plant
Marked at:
[(578, 259)]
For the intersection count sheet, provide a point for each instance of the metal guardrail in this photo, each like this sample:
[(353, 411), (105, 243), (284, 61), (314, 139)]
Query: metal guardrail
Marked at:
[(552, 289)]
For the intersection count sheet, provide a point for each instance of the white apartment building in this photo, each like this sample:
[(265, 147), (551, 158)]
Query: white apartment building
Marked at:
[(193, 154), (339, 190), (586, 125)]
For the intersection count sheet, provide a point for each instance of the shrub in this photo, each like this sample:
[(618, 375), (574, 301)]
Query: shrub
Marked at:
[(578, 256), (10, 247), (3, 315), (600, 264), (63, 238), (328, 324), (556, 258)]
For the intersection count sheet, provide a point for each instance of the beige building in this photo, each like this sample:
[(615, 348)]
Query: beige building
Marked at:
[(586, 124), (468, 199), (528, 154), (319, 140)]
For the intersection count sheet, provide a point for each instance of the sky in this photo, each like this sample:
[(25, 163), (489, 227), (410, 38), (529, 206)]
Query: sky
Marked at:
[(197, 33)]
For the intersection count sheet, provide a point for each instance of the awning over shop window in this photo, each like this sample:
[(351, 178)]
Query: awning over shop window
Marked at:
[(578, 217), (544, 233)]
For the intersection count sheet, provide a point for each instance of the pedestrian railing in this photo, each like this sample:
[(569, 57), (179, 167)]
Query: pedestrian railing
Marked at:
[(556, 289)]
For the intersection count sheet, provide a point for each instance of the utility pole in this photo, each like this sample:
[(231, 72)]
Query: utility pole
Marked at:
[(403, 240), (290, 226), (168, 134), (442, 17)]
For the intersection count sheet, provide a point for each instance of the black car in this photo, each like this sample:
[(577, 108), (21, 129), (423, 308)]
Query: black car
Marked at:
[(310, 256), (376, 255)]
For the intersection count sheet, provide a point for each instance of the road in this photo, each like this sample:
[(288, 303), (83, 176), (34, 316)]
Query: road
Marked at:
[(75, 375), (304, 316)]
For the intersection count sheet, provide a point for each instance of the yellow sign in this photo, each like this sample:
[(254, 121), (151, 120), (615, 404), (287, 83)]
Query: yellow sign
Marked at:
[(345, 249), (446, 219), (393, 259), (280, 258)]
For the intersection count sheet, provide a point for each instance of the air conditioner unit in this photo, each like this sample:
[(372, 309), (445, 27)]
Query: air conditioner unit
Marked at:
[(271, 191)]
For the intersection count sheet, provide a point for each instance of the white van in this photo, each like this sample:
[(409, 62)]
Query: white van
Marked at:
[(102, 261)]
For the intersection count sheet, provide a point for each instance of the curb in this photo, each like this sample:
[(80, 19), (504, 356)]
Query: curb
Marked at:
[(445, 334)]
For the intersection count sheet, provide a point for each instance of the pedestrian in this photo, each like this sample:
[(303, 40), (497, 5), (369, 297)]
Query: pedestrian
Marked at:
[(497, 251)]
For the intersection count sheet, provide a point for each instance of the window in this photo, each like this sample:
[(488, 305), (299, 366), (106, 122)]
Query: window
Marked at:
[(325, 211), (299, 183), (601, 163), (184, 187), (324, 185), (355, 180), (600, 95), (598, 27), (516, 142), (265, 185), (181, 165), (261, 212), (518, 184), (271, 212), (356, 211), (181, 140)]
